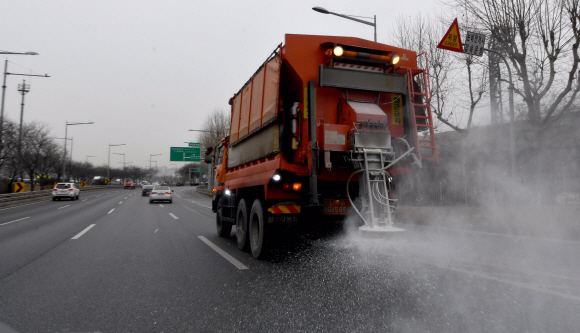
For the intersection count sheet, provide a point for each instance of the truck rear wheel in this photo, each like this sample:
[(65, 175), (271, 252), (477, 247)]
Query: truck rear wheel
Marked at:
[(223, 229), (259, 231), (242, 226)]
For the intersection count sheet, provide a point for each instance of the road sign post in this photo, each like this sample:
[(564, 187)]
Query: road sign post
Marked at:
[(474, 44), (452, 39), (18, 187), (185, 154)]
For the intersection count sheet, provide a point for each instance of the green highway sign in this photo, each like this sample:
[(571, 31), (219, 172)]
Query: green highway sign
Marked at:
[(195, 145), (185, 154)]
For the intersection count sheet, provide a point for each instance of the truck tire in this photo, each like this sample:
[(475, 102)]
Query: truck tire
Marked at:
[(259, 231), (242, 235), (223, 229)]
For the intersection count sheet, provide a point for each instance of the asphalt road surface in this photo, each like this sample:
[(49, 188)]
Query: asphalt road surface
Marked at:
[(112, 262)]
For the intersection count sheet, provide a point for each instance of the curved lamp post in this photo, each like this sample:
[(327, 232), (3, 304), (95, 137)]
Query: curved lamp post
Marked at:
[(350, 17)]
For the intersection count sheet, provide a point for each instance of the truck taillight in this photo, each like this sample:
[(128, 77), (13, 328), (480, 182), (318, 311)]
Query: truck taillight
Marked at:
[(297, 186)]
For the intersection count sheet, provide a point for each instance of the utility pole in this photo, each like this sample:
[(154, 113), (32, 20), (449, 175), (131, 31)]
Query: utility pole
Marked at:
[(23, 89)]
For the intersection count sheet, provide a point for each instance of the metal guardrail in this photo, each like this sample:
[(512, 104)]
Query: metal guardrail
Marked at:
[(11, 197)]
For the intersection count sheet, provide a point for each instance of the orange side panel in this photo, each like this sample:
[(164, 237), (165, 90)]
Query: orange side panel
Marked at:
[(271, 90), (254, 175), (245, 114), (235, 118), (257, 93)]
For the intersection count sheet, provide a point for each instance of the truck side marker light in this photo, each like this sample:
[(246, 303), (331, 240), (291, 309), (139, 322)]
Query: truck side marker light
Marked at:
[(297, 186), (287, 186), (338, 51), (227, 192), (396, 60), (276, 177)]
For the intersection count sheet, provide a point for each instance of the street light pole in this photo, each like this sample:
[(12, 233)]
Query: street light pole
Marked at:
[(65, 138), (23, 89), (350, 17), (210, 169), (151, 155), (512, 115), (109, 159), (123, 158), (4, 88)]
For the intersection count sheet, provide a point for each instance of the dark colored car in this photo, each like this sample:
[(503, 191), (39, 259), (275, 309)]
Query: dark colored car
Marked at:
[(130, 186), (179, 184), (146, 190)]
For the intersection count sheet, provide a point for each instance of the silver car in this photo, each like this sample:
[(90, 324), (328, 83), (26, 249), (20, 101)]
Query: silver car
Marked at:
[(161, 193), (65, 190)]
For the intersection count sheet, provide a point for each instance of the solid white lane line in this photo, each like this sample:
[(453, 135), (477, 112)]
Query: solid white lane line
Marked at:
[(156, 231), (175, 217), (24, 218), (493, 278), (125, 198), (85, 200), (83, 232), (111, 211), (160, 205), (487, 233), (221, 252), (64, 207), (120, 202), (200, 204)]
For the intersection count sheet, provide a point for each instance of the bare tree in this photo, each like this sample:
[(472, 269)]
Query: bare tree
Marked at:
[(540, 39), (34, 139), (217, 125)]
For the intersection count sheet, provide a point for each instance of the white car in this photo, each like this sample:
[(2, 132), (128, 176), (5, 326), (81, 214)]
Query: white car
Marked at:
[(161, 193), (65, 190)]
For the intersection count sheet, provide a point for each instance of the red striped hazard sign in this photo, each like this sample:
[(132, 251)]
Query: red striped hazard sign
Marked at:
[(284, 209)]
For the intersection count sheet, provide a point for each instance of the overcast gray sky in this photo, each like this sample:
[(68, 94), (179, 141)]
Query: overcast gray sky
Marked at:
[(147, 71)]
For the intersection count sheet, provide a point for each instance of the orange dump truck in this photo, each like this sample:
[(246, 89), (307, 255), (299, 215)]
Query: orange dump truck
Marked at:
[(318, 132)]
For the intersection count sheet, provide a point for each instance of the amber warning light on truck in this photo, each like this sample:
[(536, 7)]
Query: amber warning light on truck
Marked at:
[(339, 52)]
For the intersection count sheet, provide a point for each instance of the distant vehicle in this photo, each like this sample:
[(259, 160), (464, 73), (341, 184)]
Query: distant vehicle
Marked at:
[(65, 191), (129, 186), (143, 183), (98, 180), (161, 193), (179, 184), (146, 190)]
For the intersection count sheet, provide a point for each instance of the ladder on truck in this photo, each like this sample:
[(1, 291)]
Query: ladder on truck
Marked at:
[(421, 121)]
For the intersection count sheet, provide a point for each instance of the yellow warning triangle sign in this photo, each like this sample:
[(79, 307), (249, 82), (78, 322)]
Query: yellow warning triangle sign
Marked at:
[(452, 39)]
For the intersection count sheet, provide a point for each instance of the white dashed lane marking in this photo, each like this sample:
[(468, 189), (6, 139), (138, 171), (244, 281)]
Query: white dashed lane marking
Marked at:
[(111, 211), (24, 218), (83, 232), (64, 207), (175, 217)]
